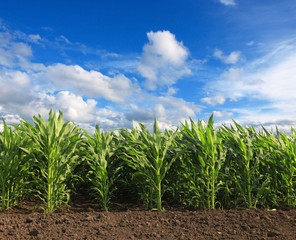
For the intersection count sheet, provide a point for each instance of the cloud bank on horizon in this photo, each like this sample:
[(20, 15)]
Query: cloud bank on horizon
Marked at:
[(253, 82)]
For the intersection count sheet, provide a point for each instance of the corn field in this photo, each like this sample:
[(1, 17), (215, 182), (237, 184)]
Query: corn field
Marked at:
[(195, 165)]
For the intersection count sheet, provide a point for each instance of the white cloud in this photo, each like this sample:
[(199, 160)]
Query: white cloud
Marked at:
[(163, 60), (63, 39), (140, 115), (271, 80), (223, 114), (5, 39), (90, 83), (171, 91), (270, 120), (14, 87), (111, 55), (279, 80), (35, 38), (109, 118), (232, 58), (168, 110), (10, 118), (75, 108), (219, 99), (268, 81), (13, 54), (165, 44), (232, 74), (3, 25), (228, 2), (36, 88), (250, 43)]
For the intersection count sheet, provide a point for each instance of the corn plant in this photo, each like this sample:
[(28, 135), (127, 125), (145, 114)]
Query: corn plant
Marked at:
[(183, 179), (132, 186), (284, 147), (268, 167), (53, 150), (206, 158), (197, 165), (147, 154), (100, 150), (14, 169), (244, 159)]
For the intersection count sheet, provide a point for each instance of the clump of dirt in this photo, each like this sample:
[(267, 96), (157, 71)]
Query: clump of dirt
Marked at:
[(125, 220)]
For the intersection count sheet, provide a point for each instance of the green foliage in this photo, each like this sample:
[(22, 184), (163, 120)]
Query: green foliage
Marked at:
[(206, 156), (14, 169), (147, 155), (53, 150), (244, 159), (100, 150), (283, 148), (196, 165)]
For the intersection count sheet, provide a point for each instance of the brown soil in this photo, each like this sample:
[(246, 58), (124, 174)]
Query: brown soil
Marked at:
[(127, 221)]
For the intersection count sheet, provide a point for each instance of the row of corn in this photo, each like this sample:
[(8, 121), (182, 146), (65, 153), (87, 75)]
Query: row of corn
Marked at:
[(194, 165)]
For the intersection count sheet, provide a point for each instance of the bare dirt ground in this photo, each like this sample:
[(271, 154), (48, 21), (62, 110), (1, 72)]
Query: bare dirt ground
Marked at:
[(127, 221)]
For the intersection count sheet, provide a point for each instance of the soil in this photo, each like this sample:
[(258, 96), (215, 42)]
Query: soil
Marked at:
[(83, 220)]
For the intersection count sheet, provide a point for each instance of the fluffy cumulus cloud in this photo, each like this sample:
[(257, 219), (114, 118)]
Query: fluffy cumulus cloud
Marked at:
[(75, 108), (140, 115), (109, 118), (171, 91), (222, 114), (168, 110), (232, 58), (89, 83), (9, 119), (28, 89), (228, 2), (219, 99), (163, 60), (232, 74), (14, 88)]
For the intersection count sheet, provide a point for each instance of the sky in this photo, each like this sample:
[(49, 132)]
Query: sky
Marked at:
[(112, 62)]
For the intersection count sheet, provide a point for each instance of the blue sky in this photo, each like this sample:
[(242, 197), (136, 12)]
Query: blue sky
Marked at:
[(112, 62)]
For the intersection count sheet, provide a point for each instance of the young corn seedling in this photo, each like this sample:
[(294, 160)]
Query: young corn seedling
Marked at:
[(53, 149), (14, 167), (100, 149)]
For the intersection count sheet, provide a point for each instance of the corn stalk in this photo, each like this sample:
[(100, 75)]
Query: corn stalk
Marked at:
[(53, 150), (206, 157), (284, 147), (147, 154), (244, 159), (14, 169), (100, 150)]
